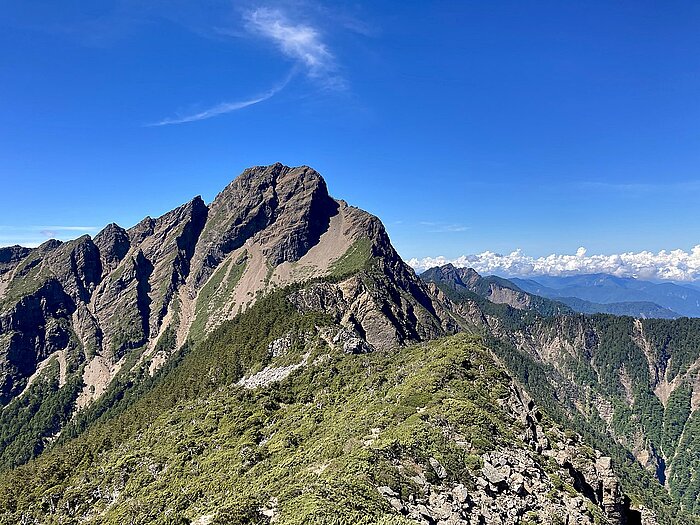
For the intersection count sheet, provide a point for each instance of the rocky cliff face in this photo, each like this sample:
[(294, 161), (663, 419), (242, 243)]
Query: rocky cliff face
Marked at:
[(10, 256), (109, 300), (459, 282), (43, 307)]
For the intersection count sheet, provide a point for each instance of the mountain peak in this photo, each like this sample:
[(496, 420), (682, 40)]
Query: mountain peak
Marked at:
[(275, 277), (291, 204), (113, 243), (14, 253), (261, 177)]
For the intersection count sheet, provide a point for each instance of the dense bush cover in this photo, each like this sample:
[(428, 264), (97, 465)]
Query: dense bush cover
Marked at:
[(196, 443), (189, 441), (31, 419)]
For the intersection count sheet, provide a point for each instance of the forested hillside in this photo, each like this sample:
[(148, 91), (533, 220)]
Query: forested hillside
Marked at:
[(267, 419), (632, 380)]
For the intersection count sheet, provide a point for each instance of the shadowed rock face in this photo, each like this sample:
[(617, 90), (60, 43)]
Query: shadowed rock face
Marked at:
[(133, 299), (34, 328), (10, 256), (113, 243), (287, 208), (198, 265)]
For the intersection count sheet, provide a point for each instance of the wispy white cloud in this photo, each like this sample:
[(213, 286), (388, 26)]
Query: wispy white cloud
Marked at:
[(676, 265), (225, 107), (219, 109), (301, 42)]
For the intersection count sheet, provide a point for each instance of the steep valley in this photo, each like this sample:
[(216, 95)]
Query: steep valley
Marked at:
[(633, 379)]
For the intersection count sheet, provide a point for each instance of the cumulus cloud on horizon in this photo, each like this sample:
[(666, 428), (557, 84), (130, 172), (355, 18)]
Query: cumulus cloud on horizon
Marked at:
[(674, 265)]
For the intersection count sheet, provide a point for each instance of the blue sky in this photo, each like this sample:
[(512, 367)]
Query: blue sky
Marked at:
[(466, 126)]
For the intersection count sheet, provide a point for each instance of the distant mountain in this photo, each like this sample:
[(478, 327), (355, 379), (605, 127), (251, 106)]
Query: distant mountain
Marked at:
[(530, 295), (638, 309), (459, 283), (604, 289)]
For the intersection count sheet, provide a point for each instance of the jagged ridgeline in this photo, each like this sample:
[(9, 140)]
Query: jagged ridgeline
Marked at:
[(269, 358)]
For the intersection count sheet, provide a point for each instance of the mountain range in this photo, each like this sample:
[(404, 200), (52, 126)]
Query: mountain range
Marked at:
[(269, 358), (525, 292), (649, 298)]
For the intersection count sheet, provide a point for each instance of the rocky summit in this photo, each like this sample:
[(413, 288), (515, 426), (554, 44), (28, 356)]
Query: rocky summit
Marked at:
[(90, 303), (269, 358)]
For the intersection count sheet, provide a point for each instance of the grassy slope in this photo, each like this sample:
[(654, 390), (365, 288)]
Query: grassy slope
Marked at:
[(190, 442), (213, 295), (197, 444)]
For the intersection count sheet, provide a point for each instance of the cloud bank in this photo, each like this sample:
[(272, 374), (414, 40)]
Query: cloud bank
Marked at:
[(675, 265)]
